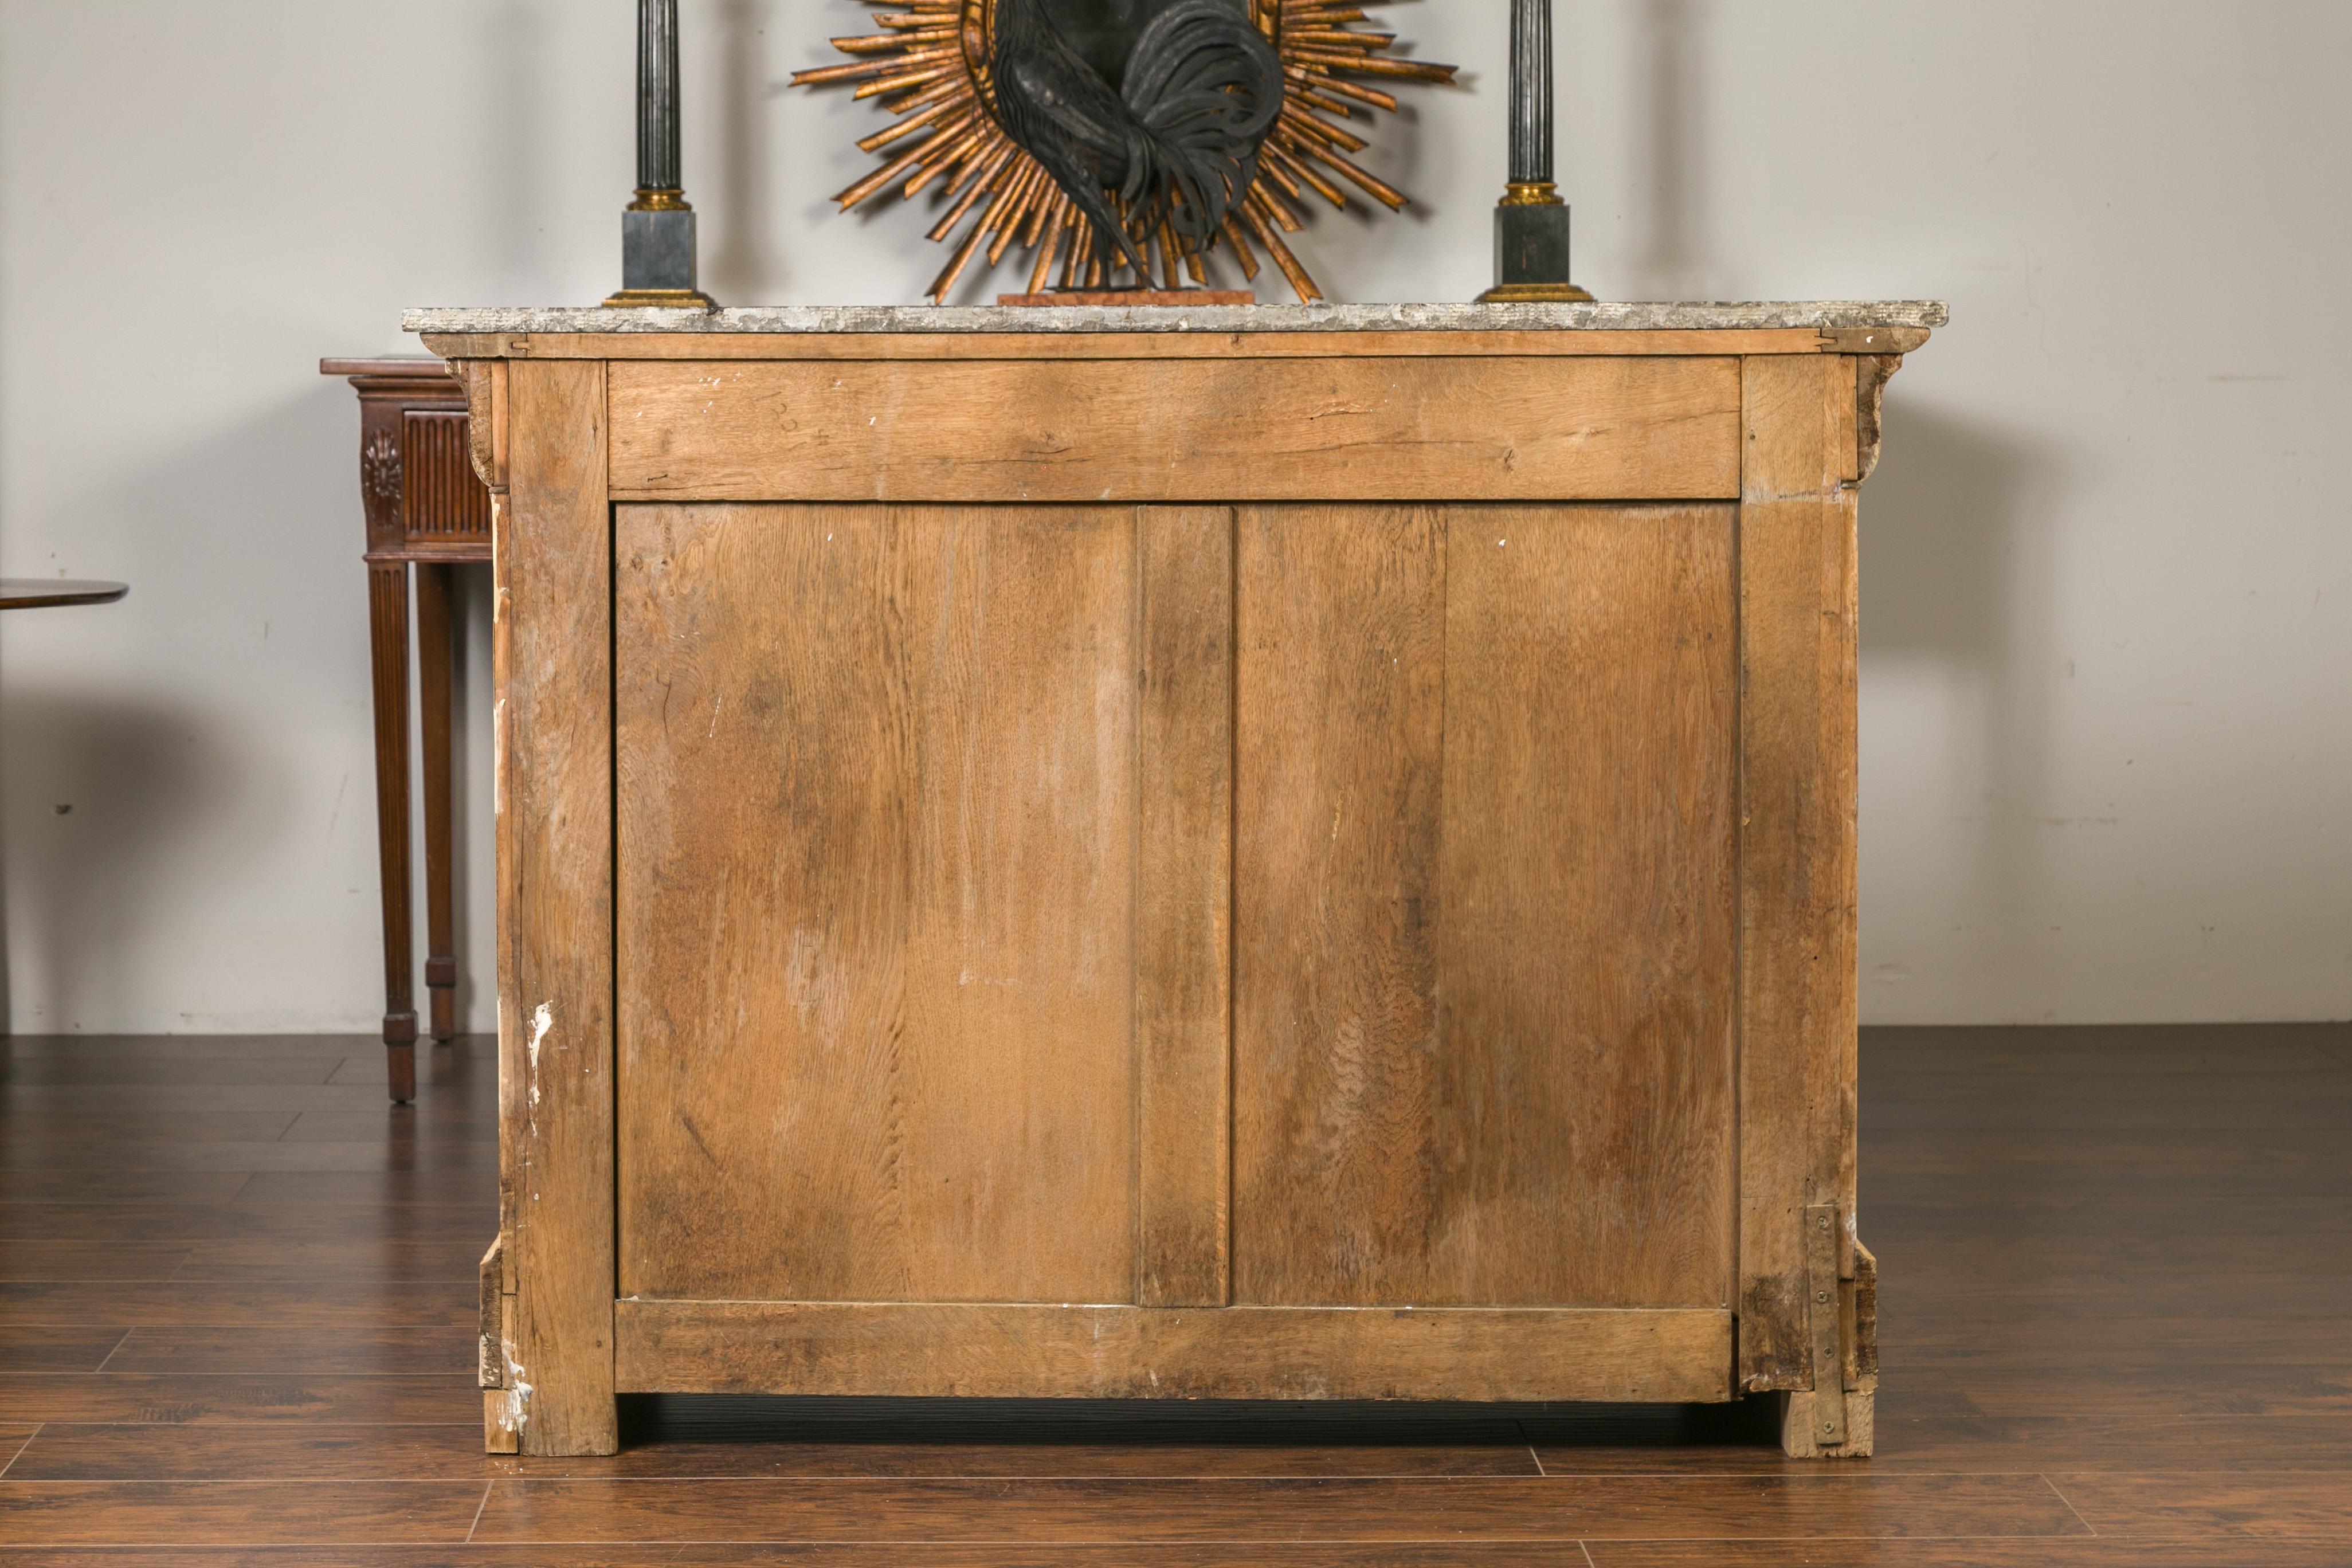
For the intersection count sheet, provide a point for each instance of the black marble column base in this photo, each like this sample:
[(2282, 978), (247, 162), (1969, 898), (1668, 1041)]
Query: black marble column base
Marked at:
[(1531, 259), (657, 265)]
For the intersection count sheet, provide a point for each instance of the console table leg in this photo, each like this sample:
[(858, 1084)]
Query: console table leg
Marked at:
[(434, 582), (388, 627)]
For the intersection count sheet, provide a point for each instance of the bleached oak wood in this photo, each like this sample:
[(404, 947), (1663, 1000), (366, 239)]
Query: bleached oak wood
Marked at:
[(1384, 930), (1184, 851), (1797, 653), (878, 844), (553, 795), (1484, 949), (988, 1350), (1483, 427)]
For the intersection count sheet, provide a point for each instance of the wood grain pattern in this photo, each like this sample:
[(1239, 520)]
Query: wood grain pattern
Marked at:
[(2069, 1268), (167, 1513), (551, 646), (1969, 1551), (1183, 1012), (59, 1347), (1172, 1353), (335, 1403), (1339, 682), (1406, 1513), (1169, 430), (1483, 952), (878, 846), (1587, 945), (2177, 1504), (925, 1441), (1796, 654)]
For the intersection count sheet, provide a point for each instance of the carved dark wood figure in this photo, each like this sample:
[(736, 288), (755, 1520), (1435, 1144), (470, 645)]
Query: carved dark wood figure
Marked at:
[(1175, 132)]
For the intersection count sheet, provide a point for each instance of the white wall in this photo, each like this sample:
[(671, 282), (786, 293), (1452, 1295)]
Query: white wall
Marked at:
[(2107, 658)]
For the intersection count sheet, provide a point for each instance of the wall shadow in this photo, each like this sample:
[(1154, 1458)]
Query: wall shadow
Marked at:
[(208, 823), (128, 797), (1669, 256), (741, 267), (513, 58), (1957, 583)]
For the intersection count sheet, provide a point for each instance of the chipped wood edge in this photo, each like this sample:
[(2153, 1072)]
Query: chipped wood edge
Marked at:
[(491, 1371), (500, 1428), (1861, 1315), (1871, 375), (552, 562), (485, 382)]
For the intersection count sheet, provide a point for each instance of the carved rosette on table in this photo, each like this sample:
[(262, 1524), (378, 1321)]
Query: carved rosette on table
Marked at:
[(931, 65)]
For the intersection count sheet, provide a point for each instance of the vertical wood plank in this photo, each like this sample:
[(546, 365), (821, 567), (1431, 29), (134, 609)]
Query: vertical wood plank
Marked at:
[(876, 878), (552, 647), (1485, 929), (1339, 700), (1797, 845), (1184, 905), (1587, 956)]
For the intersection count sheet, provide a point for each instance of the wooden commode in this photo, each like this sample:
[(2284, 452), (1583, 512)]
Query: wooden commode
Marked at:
[(1299, 853)]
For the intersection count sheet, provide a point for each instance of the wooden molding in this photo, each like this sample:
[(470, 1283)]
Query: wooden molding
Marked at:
[(988, 1350), (968, 432), (1872, 373)]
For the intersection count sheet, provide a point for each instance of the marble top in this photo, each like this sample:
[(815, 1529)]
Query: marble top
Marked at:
[(1601, 317)]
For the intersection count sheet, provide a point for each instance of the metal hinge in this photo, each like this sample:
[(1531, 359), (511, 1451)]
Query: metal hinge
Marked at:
[(1822, 1302)]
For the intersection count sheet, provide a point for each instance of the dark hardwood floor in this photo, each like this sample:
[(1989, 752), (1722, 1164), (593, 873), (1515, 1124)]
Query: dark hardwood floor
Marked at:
[(236, 1328)]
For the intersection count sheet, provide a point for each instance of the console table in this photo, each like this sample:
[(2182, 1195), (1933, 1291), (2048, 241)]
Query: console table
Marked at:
[(425, 510), (1279, 853)]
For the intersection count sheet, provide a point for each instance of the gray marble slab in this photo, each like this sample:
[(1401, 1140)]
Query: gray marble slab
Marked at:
[(1603, 317)]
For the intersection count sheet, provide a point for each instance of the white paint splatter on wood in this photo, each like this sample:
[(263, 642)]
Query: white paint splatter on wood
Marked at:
[(542, 1019)]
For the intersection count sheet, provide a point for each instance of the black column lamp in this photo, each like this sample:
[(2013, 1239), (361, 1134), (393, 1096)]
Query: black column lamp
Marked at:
[(657, 229), (1531, 221)]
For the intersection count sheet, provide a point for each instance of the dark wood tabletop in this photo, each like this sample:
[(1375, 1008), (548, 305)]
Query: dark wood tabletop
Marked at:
[(42, 592)]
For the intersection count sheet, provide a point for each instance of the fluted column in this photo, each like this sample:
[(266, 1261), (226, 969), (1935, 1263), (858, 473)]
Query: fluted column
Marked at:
[(657, 161), (1531, 93)]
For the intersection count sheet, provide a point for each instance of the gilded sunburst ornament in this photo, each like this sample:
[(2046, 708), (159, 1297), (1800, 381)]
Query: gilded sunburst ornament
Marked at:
[(931, 65)]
